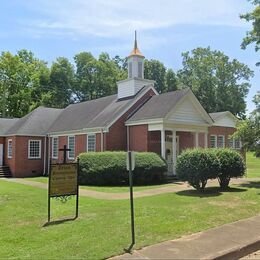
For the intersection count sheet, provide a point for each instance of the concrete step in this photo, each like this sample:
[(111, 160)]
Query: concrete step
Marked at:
[(5, 172)]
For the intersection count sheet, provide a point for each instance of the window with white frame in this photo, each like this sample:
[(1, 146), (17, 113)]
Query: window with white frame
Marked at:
[(231, 143), (55, 147), (10, 149), (71, 146), (237, 144), (91, 143), (34, 149), (221, 141), (213, 141)]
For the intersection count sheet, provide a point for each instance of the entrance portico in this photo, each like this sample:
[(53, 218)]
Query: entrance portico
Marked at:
[(175, 138)]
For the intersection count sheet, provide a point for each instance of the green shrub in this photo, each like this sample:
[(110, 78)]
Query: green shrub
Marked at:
[(109, 168), (197, 166), (231, 165)]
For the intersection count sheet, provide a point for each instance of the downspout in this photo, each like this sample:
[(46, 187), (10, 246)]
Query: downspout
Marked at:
[(128, 138), (102, 140)]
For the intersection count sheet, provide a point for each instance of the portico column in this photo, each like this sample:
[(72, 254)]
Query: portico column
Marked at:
[(196, 139), (163, 144), (205, 140), (174, 148)]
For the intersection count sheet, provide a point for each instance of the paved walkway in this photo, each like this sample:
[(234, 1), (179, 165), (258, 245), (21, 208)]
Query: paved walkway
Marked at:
[(230, 241), (174, 187)]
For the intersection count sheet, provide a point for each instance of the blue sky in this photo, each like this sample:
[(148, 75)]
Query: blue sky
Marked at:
[(166, 28)]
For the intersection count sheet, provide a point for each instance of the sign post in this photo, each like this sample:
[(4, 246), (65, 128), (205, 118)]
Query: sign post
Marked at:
[(63, 182), (130, 165)]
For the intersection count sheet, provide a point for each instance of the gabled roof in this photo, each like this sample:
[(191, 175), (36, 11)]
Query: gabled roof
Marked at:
[(224, 118), (218, 115), (5, 124), (98, 113), (158, 106), (35, 123)]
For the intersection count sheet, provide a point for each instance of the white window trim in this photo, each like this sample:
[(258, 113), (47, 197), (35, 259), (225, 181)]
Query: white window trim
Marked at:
[(8, 149), (233, 143), (40, 148), (223, 136), (216, 141), (55, 157), (71, 158), (95, 142)]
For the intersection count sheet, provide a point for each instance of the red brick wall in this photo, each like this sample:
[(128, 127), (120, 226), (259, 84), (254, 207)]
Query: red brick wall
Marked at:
[(80, 145), (186, 140), (154, 142), (221, 130), (19, 164), (116, 138), (138, 138)]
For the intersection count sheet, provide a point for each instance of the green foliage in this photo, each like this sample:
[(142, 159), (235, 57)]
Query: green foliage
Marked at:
[(109, 168), (23, 82), (197, 166), (253, 36), (248, 132), (219, 83), (231, 166)]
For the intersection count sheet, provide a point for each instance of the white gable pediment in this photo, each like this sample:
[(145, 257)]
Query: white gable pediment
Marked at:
[(188, 112)]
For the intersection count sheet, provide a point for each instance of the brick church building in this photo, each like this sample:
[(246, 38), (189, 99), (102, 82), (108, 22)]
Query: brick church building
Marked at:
[(137, 118)]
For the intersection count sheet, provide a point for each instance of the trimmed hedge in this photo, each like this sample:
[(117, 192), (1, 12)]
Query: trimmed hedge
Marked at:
[(197, 166), (231, 166), (109, 168)]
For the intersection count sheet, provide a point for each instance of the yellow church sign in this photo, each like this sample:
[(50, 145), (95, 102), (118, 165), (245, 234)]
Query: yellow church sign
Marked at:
[(63, 180)]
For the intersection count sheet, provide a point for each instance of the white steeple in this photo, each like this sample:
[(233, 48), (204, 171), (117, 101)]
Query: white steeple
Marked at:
[(135, 62), (135, 81)]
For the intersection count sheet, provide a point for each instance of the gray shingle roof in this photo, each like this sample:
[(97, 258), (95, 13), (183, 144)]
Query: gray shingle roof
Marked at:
[(158, 106), (5, 124), (37, 122), (93, 114)]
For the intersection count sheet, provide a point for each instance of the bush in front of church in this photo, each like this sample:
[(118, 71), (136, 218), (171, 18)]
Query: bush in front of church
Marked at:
[(197, 166), (109, 168)]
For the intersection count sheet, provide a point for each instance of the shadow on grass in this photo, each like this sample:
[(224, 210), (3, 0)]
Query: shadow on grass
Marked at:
[(57, 222), (250, 184), (208, 192)]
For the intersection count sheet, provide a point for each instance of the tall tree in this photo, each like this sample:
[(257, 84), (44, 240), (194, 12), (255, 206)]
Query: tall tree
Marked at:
[(170, 80), (20, 76), (219, 83), (155, 70), (253, 36), (62, 79)]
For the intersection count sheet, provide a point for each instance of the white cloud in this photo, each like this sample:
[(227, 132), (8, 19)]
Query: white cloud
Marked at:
[(112, 18)]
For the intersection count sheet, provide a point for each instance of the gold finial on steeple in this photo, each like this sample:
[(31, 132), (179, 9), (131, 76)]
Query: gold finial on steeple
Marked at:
[(135, 51)]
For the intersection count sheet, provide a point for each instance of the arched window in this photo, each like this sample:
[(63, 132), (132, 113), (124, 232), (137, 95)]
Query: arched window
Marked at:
[(130, 69), (140, 69)]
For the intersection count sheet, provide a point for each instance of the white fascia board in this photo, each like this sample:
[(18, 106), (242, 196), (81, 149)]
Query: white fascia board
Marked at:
[(186, 128), (135, 78), (80, 132), (20, 135), (145, 122), (111, 123)]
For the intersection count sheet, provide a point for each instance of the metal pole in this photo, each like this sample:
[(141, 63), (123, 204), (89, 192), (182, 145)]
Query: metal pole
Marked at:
[(49, 199), (131, 198), (77, 197)]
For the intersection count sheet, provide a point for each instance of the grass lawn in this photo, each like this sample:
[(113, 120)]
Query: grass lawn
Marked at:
[(103, 228), (253, 165)]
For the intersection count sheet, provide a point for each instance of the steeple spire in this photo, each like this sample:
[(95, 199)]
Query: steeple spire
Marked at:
[(136, 51)]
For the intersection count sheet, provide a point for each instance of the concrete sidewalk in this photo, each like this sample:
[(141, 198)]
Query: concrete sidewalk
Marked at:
[(174, 187), (230, 241)]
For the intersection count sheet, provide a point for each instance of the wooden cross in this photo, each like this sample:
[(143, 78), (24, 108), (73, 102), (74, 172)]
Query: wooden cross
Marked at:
[(65, 150)]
